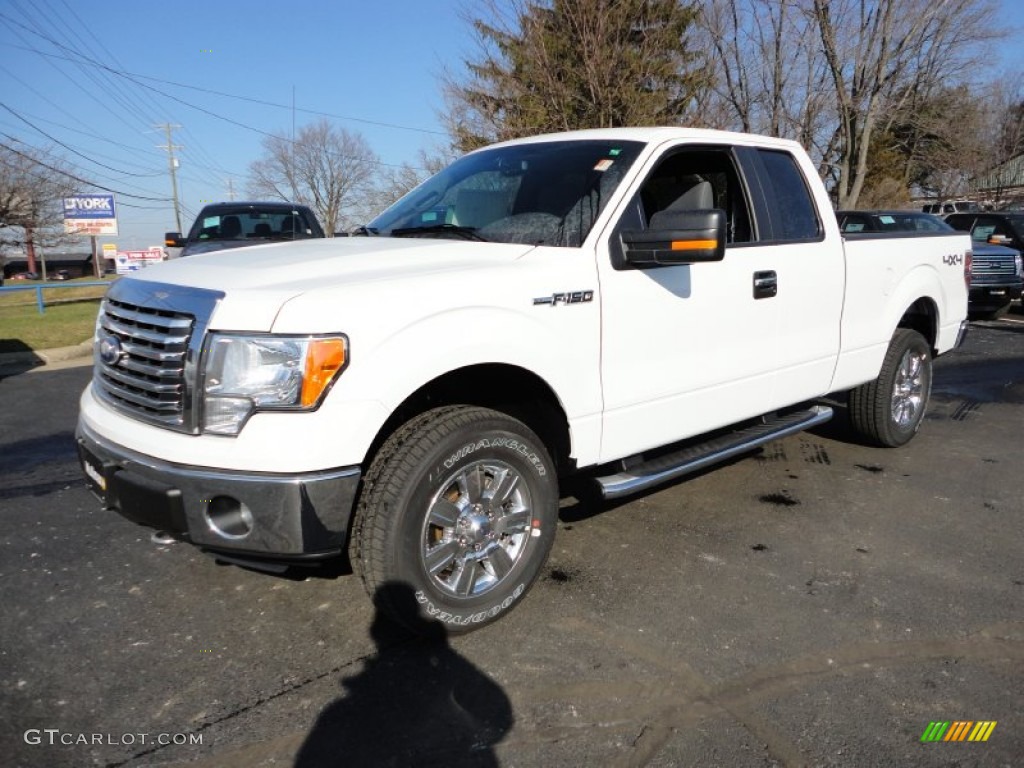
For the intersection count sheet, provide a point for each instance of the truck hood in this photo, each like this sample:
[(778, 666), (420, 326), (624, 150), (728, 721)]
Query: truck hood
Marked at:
[(258, 280), (194, 248)]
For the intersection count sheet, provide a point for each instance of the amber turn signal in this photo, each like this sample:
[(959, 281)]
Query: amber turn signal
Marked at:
[(324, 359)]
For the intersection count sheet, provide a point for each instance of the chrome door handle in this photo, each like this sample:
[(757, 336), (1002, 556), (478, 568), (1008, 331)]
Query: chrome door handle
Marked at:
[(766, 284)]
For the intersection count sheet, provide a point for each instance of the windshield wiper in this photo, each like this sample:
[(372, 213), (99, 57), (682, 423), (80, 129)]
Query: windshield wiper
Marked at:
[(467, 233), (364, 231)]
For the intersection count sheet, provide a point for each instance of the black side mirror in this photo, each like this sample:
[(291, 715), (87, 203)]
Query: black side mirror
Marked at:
[(174, 240), (677, 237)]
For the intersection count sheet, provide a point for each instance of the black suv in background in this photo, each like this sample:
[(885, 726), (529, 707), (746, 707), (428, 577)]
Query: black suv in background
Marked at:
[(993, 227), (233, 225), (996, 271)]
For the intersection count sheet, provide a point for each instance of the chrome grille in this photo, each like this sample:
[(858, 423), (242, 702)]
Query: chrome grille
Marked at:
[(147, 376), (991, 268)]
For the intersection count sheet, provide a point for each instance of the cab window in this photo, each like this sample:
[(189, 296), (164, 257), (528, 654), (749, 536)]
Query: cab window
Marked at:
[(696, 179)]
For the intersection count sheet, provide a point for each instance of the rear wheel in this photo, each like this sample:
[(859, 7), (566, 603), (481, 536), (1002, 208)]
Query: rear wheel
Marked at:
[(460, 506), (888, 411)]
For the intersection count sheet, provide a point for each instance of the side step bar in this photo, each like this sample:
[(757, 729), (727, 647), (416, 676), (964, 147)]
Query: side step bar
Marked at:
[(647, 474)]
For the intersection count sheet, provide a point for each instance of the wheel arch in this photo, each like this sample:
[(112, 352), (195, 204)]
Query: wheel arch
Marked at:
[(510, 389), (922, 316)]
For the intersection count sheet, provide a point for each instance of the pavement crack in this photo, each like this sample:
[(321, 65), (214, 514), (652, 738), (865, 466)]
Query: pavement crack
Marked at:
[(256, 704)]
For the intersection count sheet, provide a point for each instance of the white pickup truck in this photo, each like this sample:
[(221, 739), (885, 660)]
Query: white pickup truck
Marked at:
[(633, 304)]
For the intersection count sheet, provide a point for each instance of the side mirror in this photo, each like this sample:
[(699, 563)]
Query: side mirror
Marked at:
[(677, 237), (174, 240)]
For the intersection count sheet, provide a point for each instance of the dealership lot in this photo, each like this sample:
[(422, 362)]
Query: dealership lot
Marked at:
[(817, 603)]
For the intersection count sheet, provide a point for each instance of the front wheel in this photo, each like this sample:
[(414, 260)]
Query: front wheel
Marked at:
[(459, 506), (888, 411)]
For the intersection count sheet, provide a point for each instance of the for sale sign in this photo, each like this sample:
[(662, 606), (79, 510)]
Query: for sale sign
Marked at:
[(90, 215), (131, 261)]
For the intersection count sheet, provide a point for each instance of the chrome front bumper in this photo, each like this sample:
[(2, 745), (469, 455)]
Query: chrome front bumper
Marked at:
[(260, 515)]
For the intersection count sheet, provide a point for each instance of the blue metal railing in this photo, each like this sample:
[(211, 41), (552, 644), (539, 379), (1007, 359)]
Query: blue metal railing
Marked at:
[(41, 286)]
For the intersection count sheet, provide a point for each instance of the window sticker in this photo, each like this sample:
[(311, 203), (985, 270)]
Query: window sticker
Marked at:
[(887, 219), (604, 165), (614, 152)]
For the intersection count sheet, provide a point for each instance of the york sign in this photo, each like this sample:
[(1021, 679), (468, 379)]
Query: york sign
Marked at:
[(90, 215)]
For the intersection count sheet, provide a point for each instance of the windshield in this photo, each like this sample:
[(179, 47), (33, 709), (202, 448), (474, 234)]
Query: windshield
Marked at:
[(920, 222), (546, 193), (892, 221), (250, 223)]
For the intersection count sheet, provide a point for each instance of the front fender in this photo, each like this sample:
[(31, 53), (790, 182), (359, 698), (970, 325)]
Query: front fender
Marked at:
[(561, 348)]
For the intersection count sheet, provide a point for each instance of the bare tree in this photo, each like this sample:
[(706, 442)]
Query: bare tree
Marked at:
[(1004, 138), (33, 183), (879, 54), (769, 76), (395, 181), (833, 73), (568, 64), (328, 169)]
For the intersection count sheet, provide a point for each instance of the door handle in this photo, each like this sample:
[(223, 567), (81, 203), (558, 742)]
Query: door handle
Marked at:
[(766, 284)]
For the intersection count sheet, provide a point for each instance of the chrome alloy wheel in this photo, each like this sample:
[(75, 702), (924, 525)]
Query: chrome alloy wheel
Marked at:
[(908, 391), (476, 529)]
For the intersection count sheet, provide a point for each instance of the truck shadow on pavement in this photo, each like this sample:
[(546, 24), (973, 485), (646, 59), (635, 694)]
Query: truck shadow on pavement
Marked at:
[(17, 357), (415, 702)]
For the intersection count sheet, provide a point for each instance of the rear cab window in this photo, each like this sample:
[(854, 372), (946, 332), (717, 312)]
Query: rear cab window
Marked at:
[(794, 215)]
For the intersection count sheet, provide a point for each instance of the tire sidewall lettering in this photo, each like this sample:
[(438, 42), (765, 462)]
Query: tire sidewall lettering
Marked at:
[(447, 617), (507, 443)]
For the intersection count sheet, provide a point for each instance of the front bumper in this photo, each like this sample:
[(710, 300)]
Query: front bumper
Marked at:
[(990, 297), (256, 514)]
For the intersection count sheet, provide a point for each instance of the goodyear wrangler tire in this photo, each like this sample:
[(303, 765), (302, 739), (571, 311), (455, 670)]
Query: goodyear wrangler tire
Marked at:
[(460, 505), (888, 411)]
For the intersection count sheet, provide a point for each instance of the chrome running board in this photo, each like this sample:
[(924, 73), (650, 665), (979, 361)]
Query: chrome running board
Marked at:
[(646, 474)]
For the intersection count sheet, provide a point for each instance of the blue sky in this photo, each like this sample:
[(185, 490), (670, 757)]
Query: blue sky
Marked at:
[(374, 67), (374, 63)]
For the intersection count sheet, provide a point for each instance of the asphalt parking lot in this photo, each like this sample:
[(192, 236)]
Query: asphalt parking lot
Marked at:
[(816, 603)]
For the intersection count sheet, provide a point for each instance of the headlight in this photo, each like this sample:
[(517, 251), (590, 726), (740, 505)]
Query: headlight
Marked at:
[(245, 374), (1020, 267)]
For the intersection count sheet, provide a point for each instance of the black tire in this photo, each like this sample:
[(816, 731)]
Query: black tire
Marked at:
[(888, 411), (460, 506)]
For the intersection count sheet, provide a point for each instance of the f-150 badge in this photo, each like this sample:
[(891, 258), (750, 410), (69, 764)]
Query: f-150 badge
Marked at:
[(569, 297)]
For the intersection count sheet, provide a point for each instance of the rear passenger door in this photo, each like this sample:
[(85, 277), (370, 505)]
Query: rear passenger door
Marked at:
[(688, 348), (811, 271)]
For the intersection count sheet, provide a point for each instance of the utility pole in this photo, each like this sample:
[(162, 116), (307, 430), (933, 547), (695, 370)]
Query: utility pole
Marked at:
[(172, 165), (231, 188)]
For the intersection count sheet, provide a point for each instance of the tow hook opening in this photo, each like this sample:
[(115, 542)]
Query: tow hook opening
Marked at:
[(228, 517)]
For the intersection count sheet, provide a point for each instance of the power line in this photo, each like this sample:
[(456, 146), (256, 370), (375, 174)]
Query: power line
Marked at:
[(98, 51), (112, 88), (203, 109), (252, 100), (76, 178), (71, 149)]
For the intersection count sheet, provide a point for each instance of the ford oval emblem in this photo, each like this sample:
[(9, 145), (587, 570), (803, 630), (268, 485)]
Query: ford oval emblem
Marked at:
[(110, 349)]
